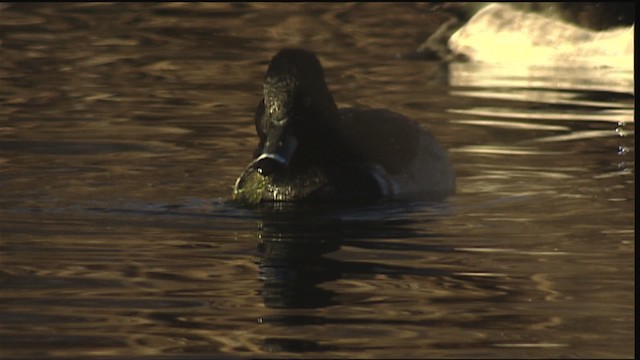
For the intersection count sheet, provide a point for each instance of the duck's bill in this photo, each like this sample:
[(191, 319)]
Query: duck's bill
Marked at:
[(278, 151)]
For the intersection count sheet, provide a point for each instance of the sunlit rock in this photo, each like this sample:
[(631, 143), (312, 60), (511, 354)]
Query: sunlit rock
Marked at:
[(499, 33)]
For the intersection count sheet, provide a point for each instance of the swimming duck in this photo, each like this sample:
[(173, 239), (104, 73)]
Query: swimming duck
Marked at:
[(311, 150)]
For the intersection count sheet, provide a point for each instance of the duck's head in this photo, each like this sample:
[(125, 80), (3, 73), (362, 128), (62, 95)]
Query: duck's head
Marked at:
[(295, 113)]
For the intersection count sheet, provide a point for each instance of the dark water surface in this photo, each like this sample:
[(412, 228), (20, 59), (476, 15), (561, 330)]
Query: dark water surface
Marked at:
[(123, 128)]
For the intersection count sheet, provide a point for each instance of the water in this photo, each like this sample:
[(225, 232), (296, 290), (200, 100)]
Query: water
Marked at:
[(123, 128)]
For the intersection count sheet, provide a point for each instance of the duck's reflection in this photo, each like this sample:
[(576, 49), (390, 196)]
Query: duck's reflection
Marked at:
[(299, 256), (293, 248), (296, 243), (293, 263), (292, 270)]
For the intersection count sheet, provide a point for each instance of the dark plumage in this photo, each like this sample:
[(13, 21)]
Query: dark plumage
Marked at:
[(310, 150)]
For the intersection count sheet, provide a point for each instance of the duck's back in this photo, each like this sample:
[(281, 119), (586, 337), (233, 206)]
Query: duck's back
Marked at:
[(404, 158)]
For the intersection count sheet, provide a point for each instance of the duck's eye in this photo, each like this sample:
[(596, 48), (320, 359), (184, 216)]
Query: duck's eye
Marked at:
[(306, 101)]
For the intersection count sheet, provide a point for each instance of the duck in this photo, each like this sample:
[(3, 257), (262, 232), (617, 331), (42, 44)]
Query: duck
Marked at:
[(309, 150)]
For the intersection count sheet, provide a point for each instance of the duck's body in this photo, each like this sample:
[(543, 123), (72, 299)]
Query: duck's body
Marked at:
[(310, 150)]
